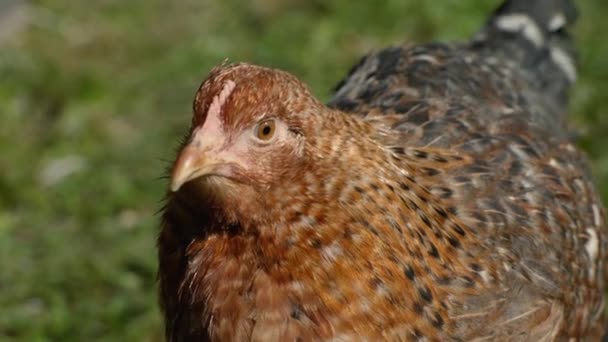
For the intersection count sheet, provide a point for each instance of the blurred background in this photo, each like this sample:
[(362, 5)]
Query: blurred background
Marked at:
[(95, 95)]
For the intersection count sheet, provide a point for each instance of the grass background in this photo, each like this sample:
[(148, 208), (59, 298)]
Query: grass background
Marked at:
[(94, 96)]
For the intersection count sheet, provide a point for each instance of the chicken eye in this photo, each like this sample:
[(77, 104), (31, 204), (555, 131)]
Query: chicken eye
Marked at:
[(265, 130)]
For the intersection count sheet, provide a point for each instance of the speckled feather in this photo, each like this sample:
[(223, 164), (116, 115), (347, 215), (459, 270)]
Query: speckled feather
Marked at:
[(437, 197)]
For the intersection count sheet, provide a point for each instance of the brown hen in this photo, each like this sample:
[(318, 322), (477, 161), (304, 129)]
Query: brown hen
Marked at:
[(436, 198)]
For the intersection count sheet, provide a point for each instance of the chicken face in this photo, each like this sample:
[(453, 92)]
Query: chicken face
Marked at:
[(246, 137)]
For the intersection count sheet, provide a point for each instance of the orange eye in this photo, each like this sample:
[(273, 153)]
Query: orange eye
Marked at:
[(265, 130)]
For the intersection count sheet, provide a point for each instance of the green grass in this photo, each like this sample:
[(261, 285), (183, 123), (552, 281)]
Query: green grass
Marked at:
[(101, 92)]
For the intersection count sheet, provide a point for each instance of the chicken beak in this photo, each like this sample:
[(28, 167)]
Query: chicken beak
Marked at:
[(192, 163)]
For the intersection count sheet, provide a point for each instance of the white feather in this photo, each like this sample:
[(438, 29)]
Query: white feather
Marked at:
[(564, 62), (521, 23)]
